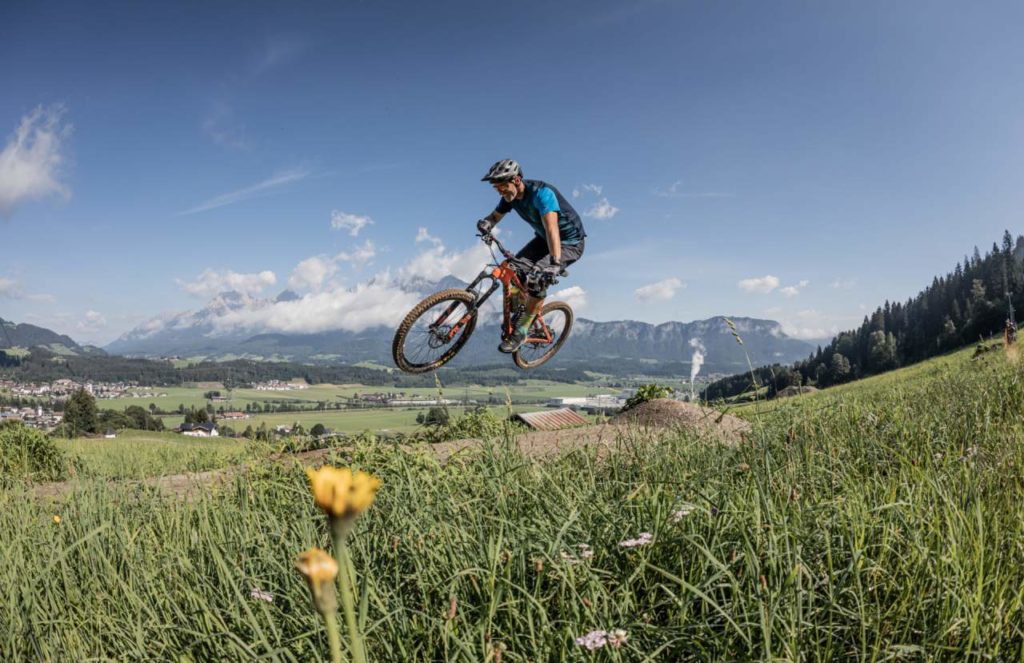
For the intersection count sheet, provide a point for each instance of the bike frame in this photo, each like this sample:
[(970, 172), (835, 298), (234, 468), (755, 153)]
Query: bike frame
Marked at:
[(503, 275)]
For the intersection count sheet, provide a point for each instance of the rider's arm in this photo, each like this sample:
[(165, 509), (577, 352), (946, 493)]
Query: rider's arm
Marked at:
[(554, 236), (547, 205), (494, 217)]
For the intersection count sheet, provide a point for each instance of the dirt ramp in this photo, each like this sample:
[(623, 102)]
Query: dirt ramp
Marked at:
[(667, 413)]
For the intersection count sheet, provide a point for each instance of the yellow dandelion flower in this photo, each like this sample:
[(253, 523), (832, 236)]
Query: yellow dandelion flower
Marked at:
[(341, 493), (56, 519), (320, 571), (331, 487)]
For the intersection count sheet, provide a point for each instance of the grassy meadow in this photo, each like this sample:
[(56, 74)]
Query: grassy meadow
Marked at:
[(882, 521), (138, 454)]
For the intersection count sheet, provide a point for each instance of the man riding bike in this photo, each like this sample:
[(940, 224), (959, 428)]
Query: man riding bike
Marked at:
[(558, 242)]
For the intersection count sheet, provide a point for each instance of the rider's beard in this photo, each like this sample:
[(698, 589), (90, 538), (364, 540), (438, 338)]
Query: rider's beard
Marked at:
[(509, 197)]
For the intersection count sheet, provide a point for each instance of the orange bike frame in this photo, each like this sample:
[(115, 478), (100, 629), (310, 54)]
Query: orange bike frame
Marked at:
[(507, 277)]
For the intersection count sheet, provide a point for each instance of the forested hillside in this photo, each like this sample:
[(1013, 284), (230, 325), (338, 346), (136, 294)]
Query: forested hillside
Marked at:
[(968, 304)]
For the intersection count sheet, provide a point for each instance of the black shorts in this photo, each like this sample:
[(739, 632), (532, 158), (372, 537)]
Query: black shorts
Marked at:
[(536, 251)]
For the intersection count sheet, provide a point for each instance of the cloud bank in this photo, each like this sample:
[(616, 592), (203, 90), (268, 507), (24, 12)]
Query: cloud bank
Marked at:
[(353, 223), (211, 282), (660, 291), (32, 160), (760, 284)]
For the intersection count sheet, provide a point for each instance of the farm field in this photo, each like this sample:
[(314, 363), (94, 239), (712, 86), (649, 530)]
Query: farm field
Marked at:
[(880, 521), (395, 420), (192, 396)]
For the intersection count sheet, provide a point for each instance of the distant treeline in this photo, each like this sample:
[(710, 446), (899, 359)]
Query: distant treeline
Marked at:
[(970, 303), (43, 365)]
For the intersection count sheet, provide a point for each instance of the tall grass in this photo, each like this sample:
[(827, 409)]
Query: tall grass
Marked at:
[(883, 525)]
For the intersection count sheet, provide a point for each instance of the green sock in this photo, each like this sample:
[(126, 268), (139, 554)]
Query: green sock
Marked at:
[(524, 323)]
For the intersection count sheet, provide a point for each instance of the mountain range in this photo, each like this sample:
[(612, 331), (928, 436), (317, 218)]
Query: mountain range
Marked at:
[(202, 334), (24, 335)]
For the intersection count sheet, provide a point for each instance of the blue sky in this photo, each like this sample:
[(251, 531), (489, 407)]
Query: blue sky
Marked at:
[(790, 160)]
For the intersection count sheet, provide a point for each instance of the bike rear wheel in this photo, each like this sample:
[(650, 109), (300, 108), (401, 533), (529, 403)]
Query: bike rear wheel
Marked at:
[(541, 344), (434, 331)]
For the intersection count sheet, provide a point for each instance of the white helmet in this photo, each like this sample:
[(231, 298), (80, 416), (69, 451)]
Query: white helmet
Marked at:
[(503, 171)]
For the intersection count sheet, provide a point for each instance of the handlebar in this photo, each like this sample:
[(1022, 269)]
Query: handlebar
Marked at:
[(525, 265)]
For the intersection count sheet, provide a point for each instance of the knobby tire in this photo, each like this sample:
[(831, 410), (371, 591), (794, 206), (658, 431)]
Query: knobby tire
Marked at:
[(521, 362), (401, 335)]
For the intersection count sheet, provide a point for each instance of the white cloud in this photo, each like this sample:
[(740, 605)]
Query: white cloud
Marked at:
[(595, 189), (810, 324), (844, 284), (91, 322), (423, 235), (360, 255), (365, 306), (761, 284), (660, 291), (222, 127), (209, 282), (312, 272), (10, 289), (266, 187), (574, 296), (30, 163), (794, 290), (436, 262), (353, 223), (602, 210)]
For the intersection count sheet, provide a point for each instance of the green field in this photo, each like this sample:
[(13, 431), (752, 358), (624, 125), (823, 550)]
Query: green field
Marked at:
[(138, 454), (193, 396), (395, 420), (878, 521)]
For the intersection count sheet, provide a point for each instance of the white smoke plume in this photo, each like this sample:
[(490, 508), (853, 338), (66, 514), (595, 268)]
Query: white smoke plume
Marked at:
[(696, 361)]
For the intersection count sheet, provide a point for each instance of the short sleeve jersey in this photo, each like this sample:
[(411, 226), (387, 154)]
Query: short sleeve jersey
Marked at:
[(539, 199)]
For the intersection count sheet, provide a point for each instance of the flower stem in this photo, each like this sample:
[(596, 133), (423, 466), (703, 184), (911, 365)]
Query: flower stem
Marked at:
[(331, 622), (345, 575)]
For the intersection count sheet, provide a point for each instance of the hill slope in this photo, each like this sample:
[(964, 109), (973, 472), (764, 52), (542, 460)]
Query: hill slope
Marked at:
[(28, 336)]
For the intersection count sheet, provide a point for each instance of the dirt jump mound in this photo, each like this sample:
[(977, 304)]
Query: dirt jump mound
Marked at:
[(667, 413)]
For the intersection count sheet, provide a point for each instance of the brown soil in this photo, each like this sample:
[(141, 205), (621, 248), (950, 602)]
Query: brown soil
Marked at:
[(667, 413)]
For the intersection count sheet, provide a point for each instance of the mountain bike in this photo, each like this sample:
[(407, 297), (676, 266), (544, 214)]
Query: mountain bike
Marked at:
[(438, 327)]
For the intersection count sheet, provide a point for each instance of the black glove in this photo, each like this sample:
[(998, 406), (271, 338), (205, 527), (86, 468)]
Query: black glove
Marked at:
[(554, 269), (485, 226)]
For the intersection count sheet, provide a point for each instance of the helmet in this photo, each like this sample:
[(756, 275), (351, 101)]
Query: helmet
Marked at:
[(503, 171)]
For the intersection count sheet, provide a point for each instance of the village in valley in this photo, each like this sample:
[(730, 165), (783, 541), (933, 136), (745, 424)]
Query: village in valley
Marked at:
[(41, 404)]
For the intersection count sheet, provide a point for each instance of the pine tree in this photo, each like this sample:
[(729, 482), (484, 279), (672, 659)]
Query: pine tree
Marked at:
[(80, 414)]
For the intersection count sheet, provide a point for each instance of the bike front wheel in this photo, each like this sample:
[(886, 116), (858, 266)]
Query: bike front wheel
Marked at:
[(547, 334), (434, 331)]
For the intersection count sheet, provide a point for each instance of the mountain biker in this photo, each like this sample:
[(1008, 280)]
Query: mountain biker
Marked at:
[(558, 231)]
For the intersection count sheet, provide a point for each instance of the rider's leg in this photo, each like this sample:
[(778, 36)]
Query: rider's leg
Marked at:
[(533, 306)]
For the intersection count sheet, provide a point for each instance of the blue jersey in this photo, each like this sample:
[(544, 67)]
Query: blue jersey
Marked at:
[(539, 199)]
